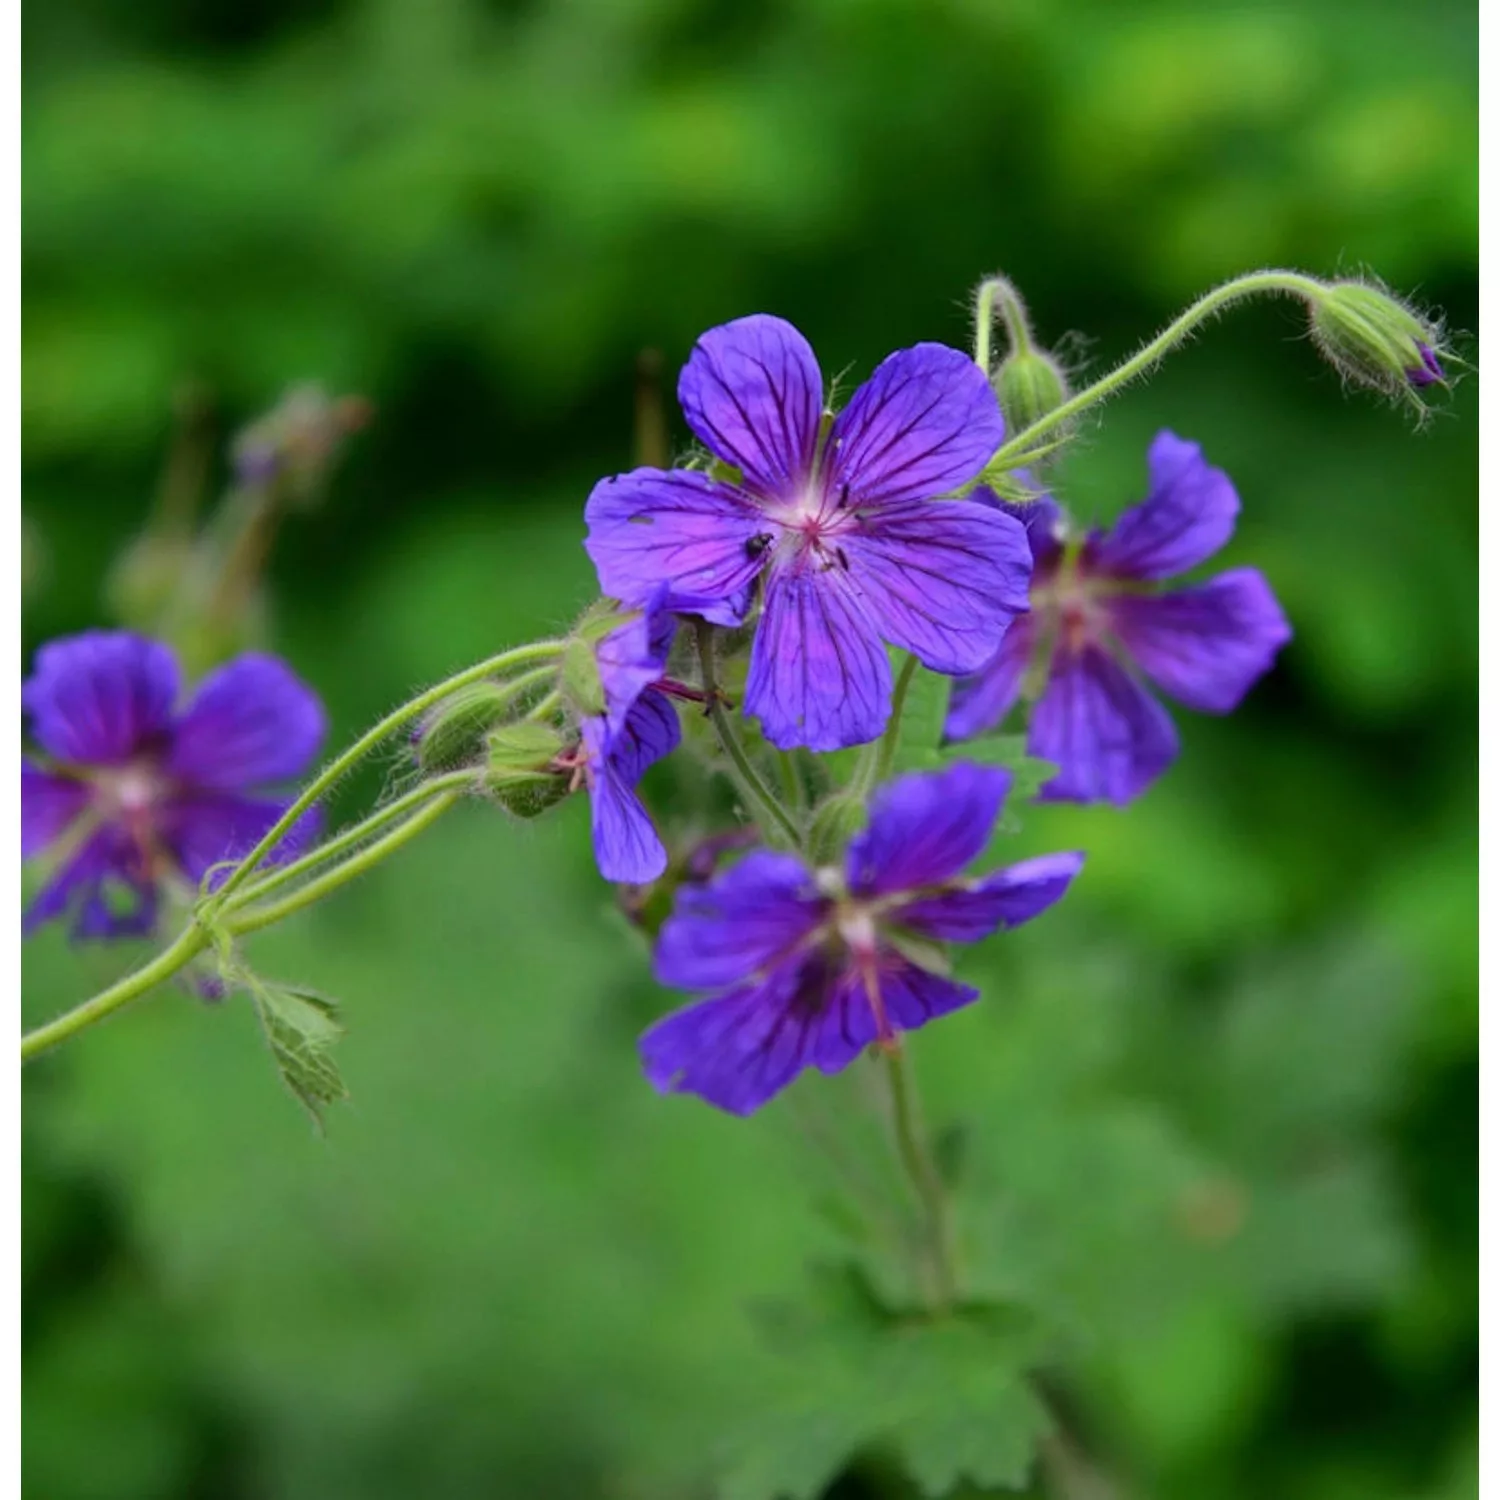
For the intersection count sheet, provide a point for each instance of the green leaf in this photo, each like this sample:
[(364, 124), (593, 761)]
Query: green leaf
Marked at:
[(922, 720), (945, 1398), (301, 1029)]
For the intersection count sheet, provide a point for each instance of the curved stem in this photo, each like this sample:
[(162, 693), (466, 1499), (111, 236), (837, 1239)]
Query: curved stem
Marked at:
[(166, 963), (992, 291), (255, 918), (1285, 283), (337, 768), (923, 1172), (286, 874), (751, 787)]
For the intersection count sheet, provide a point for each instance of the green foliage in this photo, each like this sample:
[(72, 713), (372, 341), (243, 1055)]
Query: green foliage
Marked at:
[(301, 1029), (945, 1399), (922, 721)]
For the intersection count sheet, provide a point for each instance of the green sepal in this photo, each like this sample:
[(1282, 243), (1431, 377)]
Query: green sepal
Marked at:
[(581, 680), (527, 745)]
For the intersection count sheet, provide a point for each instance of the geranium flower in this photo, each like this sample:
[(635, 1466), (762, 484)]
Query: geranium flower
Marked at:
[(133, 792), (808, 967), (842, 526), (1098, 619)]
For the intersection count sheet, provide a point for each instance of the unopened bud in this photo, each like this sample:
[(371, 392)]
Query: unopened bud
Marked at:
[(1030, 385), (520, 773), (454, 732), (298, 441), (523, 746), (581, 680), (1375, 340)]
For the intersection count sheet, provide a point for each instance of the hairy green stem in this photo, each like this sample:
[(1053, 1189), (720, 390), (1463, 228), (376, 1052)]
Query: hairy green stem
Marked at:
[(284, 875), (997, 294), (168, 962), (367, 742), (920, 1167), (774, 817), (1275, 283), (253, 919)]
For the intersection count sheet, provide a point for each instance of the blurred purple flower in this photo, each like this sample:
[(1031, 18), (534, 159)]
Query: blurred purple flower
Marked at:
[(806, 969), (132, 792), (853, 550), (1097, 616)]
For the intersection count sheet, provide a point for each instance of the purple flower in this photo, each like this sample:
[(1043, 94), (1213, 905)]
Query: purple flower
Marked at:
[(807, 968), (134, 793), (637, 728), (844, 529), (1096, 617), (1429, 372)]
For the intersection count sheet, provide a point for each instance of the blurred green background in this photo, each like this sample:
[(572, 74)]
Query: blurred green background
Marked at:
[(1225, 1093)]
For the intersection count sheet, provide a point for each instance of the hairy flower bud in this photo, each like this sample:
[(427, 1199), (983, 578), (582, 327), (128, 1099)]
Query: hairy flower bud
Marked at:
[(1375, 340), (519, 769), (453, 734), (1030, 384)]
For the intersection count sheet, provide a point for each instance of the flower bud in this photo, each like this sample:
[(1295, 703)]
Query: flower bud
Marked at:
[(524, 746), (1030, 385), (581, 680), (519, 771), (1374, 340), (453, 734)]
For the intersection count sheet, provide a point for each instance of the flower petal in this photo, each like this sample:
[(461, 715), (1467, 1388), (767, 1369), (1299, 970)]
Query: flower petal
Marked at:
[(1109, 738), (913, 996), (100, 697), (650, 732), (981, 702), (203, 829), (108, 857), (1005, 898), (925, 827), (1205, 645), (738, 1051), (627, 846), (48, 806), (750, 916), (941, 579), (1187, 516), (752, 392), (925, 423), (250, 723), (819, 676), (1041, 517), (633, 656), (654, 526)]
